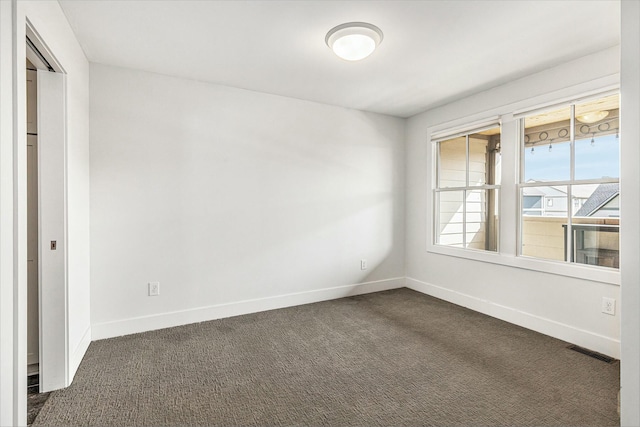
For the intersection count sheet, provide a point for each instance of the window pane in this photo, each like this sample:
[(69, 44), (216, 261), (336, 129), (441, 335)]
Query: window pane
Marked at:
[(596, 223), (450, 218), (597, 139), (596, 200), (544, 219), (477, 160), (468, 162), (484, 157), (482, 219), (532, 202), (547, 149), (453, 163)]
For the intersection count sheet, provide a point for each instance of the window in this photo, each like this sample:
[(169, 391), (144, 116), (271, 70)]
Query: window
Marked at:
[(467, 190), (569, 183)]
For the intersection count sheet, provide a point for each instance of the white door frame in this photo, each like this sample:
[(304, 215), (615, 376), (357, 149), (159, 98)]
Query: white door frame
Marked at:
[(13, 207), (50, 30), (52, 217)]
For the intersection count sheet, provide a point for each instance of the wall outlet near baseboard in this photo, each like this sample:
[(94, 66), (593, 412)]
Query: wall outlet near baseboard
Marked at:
[(363, 264), (154, 289), (609, 306)]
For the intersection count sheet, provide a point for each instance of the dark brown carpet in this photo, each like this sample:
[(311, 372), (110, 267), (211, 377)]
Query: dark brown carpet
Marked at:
[(390, 358)]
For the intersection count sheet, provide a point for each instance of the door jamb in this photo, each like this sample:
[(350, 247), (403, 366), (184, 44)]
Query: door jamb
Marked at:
[(48, 61)]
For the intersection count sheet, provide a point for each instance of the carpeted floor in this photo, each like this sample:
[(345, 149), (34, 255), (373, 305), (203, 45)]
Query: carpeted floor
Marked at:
[(390, 358)]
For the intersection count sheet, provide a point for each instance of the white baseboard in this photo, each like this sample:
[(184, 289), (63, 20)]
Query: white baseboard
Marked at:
[(219, 311), (78, 354), (600, 343)]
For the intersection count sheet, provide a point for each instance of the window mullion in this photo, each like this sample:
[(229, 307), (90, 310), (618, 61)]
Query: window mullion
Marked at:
[(467, 160), (572, 177), (572, 143), (569, 248), (474, 187), (581, 181), (521, 152), (464, 197), (436, 218), (520, 177), (464, 218), (438, 166)]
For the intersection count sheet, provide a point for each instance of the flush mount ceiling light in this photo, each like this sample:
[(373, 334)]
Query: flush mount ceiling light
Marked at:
[(354, 41), (592, 116)]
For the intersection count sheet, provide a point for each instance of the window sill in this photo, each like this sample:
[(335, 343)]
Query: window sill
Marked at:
[(578, 271)]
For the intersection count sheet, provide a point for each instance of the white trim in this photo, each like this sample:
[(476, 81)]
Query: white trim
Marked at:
[(20, 216), (561, 268), (79, 353), (581, 337), (578, 91), (630, 208), (35, 59), (473, 187), (65, 205), (441, 132), (219, 311), (37, 41), (562, 102), (569, 182), (12, 398)]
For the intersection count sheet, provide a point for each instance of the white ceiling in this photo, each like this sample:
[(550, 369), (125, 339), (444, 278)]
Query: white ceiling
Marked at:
[(433, 51)]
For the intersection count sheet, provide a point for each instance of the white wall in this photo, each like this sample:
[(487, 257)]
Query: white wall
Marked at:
[(52, 25), (12, 393), (630, 208), (235, 201), (557, 305)]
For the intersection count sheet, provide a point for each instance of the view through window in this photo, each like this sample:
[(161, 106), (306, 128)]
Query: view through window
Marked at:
[(467, 191), (569, 186)]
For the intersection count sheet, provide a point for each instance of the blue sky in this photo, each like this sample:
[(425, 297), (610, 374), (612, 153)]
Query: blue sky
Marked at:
[(597, 161)]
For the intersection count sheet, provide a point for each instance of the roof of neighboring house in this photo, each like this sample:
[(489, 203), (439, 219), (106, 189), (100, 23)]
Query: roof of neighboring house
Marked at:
[(603, 194)]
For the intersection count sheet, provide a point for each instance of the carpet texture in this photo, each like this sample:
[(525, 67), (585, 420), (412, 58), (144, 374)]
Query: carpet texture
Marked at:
[(389, 358)]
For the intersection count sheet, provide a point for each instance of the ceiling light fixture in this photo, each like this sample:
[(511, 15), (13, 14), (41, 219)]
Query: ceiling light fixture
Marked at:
[(592, 116), (354, 41)]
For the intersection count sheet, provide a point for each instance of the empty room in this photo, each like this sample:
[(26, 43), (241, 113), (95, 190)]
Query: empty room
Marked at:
[(292, 212)]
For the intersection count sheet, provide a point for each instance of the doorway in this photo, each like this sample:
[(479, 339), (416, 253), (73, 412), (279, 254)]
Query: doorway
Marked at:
[(47, 355), (46, 227), (33, 328)]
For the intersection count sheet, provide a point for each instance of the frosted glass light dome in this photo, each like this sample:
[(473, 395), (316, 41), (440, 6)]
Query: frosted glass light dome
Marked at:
[(354, 41), (592, 116)]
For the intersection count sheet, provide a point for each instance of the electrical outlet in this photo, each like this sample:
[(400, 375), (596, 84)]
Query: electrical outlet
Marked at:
[(154, 289), (609, 306), (363, 264)]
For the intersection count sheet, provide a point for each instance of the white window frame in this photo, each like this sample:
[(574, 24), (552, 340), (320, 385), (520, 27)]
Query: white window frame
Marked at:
[(508, 116), (569, 184), (464, 189)]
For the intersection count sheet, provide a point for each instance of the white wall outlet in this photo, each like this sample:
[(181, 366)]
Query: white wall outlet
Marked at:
[(609, 306), (154, 289), (363, 264)]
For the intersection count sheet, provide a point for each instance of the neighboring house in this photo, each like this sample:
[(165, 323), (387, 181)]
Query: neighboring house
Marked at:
[(544, 201), (552, 200), (603, 203)]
